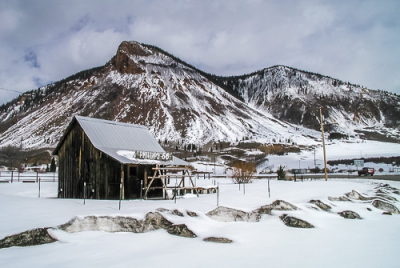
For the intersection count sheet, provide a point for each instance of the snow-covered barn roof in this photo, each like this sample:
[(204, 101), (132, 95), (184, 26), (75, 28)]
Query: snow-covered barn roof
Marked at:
[(126, 143)]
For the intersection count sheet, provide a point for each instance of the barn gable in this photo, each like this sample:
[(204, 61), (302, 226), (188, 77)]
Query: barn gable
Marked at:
[(96, 155), (117, 139)]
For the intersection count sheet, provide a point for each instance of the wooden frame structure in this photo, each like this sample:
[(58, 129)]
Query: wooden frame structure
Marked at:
[(163, 174)]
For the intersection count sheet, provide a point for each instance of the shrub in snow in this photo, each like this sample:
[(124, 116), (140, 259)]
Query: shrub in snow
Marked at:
[(243, 172), (281, 173)]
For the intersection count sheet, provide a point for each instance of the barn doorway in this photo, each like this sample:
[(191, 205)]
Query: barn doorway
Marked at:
[(132, 185)]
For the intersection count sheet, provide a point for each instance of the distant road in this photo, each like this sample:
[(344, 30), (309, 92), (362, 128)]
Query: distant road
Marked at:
[(394, 177), (391, 177)]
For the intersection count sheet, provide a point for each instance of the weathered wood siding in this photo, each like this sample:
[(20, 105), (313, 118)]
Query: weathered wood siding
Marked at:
[(79, 162)]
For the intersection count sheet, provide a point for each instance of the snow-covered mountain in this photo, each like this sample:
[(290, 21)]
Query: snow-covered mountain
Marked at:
[(295, 96), (144, 85)]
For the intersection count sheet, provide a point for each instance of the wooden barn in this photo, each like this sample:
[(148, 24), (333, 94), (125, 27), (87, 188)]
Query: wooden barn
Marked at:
[(97, 155)]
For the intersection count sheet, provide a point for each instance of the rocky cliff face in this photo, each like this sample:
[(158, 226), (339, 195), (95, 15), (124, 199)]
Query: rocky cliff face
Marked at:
[(144, 85)]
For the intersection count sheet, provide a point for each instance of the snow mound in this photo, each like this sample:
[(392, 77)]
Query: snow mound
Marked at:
[(226, 214)]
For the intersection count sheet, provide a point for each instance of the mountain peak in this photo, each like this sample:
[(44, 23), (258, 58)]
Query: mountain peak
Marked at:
[(142, 84), (123, 61)]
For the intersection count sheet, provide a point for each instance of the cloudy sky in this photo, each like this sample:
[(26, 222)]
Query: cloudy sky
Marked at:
[(42, 41)]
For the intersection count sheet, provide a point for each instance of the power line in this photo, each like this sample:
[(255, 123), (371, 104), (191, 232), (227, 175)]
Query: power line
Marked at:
[(6, 89)]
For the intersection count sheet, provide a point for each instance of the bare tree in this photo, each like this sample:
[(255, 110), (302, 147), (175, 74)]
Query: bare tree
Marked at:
[(243, 172), (10, 156)]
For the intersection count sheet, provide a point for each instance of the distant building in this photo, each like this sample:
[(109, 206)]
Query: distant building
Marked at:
[(103, 154)]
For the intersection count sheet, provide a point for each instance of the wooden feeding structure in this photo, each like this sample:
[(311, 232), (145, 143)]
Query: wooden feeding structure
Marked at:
[(202, 173), (103, 159), (164, 175)]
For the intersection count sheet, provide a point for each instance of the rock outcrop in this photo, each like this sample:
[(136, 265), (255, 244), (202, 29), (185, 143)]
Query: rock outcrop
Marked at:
[(33, 237), (348, 214), (282, 205), (340, 198), (295, 222), (152, 221), (218, 240), (382, 205), (226, 214), (357, 196), (321, 205)]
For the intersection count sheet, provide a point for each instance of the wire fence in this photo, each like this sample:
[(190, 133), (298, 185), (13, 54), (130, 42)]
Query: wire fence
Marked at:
[(28, 177)]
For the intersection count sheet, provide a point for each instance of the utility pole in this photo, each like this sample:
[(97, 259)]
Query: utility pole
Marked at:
[(323, 144)]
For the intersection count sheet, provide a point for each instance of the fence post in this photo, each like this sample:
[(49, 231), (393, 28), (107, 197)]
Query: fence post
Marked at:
[(39, 188), (141, 189), (269, 191), (84, 193), (37, 176), (176, 192), (12, 175), (120, 195), (244, 188), (217, 194)]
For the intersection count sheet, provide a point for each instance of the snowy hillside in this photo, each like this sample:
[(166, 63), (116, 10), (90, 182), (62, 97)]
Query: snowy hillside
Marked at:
[(144, 85), (294, 96)]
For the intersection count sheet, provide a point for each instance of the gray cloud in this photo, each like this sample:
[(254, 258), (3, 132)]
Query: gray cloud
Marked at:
[(355, 40)]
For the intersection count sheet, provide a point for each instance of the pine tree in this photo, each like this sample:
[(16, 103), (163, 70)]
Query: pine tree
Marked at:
[(53, 165)]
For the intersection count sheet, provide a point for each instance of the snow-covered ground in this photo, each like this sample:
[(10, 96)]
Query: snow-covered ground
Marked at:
[(338, 150), (334, 242)]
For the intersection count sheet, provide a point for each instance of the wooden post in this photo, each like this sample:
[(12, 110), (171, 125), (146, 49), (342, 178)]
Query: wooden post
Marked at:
[(141, 189), (122, 183), (84, 193), (120, 195), (145, 176), (323, 144)]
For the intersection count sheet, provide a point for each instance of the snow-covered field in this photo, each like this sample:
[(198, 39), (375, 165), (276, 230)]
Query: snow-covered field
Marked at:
[(334, 242), (335, 151)]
